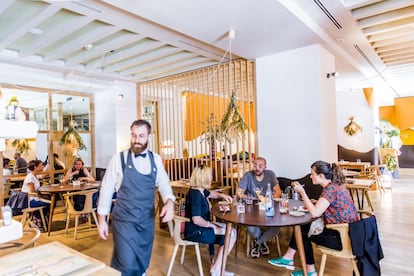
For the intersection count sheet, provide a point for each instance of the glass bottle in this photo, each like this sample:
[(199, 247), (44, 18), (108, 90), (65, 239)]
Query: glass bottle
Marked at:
[(269, 206)]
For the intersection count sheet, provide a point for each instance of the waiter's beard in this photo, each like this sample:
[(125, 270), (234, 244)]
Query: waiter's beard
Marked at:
[(138, 147)]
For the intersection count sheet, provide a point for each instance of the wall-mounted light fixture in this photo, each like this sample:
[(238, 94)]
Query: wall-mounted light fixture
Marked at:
[(333, 74)]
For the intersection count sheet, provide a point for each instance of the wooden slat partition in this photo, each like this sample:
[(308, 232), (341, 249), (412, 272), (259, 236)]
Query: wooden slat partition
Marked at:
[(182, 107)]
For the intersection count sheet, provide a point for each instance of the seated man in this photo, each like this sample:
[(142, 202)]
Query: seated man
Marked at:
[(258, 178)]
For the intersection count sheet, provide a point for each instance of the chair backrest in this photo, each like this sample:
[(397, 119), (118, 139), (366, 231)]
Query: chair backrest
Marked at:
[(6, 190), (88, 205), (176, 229), (343, 229), (33, 235)]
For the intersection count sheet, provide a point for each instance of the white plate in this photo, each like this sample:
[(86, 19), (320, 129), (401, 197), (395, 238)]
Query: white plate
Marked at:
[(296, 213), (54, 185), (277, 199), (223, 202), (302, 209)]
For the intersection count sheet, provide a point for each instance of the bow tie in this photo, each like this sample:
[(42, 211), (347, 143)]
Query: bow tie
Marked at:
[(140, 155)]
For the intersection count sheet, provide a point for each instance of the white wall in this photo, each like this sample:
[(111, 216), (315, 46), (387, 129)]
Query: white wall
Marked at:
[(296, 110), (350, 104), (113, 117)]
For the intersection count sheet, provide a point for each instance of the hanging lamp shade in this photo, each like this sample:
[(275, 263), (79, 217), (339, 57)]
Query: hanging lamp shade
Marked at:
[(18, 129)]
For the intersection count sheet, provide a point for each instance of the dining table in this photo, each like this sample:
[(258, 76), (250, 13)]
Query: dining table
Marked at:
[(58, 189), (253, 215), (361, 188), (52, 258)]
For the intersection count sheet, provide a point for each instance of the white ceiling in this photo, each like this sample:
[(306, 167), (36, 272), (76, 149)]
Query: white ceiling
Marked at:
[(144, 40)]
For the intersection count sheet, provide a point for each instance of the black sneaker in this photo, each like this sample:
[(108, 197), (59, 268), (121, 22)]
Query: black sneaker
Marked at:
[(264, 249), (255, 253)]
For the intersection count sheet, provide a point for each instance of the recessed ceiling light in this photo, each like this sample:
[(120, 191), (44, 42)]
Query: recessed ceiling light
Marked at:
[(36, 31), (88, 46), (339, 39)]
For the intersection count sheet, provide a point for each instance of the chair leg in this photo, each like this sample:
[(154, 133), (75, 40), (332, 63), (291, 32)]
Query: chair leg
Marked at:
[(247, 244), (278, 245), (172, 260), (67, 223), (43, 220), (200, 264), (182, 254), (323, 263), (369, 200), (355, 267), (95, 218), (76, 226), (24, 218)]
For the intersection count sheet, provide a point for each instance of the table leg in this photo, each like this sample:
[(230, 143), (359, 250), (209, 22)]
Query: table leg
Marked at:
[(301, 250), (52, 209), (225, 248), (237, 240)]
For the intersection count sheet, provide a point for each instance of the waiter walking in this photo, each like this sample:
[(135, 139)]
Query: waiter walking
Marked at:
[(134, 174)]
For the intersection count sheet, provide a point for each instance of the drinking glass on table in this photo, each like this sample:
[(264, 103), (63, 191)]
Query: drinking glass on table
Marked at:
[(284, 203)]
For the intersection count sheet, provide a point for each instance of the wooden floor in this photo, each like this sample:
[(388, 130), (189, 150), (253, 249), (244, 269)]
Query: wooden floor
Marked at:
[(394, 211)]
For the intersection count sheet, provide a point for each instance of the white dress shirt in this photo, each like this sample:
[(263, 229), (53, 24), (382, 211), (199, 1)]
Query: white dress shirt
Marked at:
[(113, 178)]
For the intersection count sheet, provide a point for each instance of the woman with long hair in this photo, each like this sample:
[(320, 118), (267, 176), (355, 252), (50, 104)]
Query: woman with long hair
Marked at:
[(335, 204)]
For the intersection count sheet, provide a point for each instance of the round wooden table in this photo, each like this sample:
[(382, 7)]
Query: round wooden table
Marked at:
[(66, 188), (256, 217), (30, 236)]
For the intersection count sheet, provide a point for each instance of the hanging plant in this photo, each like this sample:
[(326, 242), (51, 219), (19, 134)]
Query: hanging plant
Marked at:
[(72, 140), (232, 123), (22, 146), (352, 128)]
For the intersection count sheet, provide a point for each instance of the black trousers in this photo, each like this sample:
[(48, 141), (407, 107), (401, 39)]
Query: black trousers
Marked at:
[(329, 238)]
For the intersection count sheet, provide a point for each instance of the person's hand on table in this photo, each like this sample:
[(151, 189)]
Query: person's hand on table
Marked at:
[(227, 198), (261, 198)]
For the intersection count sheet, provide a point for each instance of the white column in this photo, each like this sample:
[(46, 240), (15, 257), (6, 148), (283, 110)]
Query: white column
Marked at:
[(296, 110)]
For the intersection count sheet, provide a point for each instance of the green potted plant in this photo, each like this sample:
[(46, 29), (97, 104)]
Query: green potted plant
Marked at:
[(232, 123), (390, 162)]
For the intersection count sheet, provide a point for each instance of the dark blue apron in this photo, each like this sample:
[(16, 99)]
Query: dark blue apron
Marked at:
[(133, 219)]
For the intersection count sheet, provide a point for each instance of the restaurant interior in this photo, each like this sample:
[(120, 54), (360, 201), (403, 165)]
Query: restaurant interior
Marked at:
[(293, 82)]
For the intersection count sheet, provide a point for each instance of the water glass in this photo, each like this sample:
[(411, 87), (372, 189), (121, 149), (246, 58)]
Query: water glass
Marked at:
[(249, 200), (235, 202), (240, 207), (284, 204)]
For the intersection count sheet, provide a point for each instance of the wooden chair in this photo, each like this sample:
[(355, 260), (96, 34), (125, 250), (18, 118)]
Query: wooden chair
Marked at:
[(6, 191), (175, 232), (87, 208), (346, 251), (27, 213)]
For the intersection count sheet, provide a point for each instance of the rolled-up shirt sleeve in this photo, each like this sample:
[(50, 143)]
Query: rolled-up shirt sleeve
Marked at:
[(110, 183), (163, 181)]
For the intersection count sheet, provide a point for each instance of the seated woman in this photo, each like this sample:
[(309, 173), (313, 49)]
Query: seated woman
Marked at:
[(335, 204), (79, 172), (200, 228), (31, 185)]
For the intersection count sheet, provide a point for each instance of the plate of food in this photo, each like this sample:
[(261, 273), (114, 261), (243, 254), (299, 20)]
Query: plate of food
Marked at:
[(55, 185), (303, 209), (277, 199), (223, 202), (296, 213), (224, 208)]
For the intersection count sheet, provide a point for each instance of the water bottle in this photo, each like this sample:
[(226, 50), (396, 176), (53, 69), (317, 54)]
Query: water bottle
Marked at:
[(7, 215), (269, 207)]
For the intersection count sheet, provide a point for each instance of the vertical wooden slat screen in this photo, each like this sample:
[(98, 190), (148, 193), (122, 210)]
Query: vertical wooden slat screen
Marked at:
[(187, 105)]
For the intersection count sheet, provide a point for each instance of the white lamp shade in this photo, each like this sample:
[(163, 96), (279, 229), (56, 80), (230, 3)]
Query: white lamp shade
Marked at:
[(18, 129)]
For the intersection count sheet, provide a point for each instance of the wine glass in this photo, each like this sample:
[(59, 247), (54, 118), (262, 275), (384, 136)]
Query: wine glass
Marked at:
[(60, 177), (258, 191)]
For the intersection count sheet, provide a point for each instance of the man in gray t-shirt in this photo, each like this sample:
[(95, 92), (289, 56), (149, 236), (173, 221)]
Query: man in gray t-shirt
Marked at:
[(259, 177)]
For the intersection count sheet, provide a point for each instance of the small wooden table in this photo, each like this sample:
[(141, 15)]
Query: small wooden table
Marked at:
[(53, 259), (256, 217), (360, 186), (59, 189), (358, 166)]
